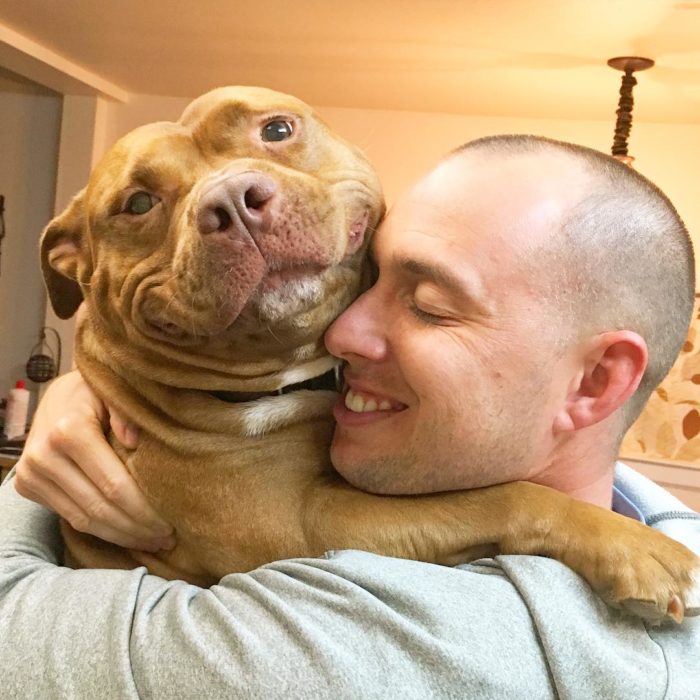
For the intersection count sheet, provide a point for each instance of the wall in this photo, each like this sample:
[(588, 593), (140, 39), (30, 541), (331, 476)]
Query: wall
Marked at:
[(121, 117), (402, 145), (29, 127)]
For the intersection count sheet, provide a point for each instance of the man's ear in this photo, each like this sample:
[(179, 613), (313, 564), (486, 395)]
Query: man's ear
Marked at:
[(64, 258), (611, 369)]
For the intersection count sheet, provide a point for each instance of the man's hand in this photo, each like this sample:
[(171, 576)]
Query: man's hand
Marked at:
[(68, 466)]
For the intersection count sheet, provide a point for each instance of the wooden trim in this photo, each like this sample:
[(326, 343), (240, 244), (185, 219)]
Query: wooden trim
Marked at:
[(32, 60), (658, 461), (682, 482)]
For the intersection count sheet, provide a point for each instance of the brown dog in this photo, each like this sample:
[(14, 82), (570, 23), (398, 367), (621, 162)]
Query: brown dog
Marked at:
[(212, 253)]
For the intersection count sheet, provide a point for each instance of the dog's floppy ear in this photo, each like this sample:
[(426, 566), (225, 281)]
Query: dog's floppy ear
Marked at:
[(63, 257)]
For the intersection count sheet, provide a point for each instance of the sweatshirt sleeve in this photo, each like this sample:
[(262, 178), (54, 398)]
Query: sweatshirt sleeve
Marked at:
[(347, 625)]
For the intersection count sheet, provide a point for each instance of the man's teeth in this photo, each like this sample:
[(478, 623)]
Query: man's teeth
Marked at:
[(355, 402)]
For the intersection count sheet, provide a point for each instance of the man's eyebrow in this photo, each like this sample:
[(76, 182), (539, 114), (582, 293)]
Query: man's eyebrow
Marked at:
[(462, 286)]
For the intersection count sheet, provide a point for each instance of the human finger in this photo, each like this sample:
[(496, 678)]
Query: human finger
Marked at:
[(93, 456), (125, 431), (93, 512), (101, 518)]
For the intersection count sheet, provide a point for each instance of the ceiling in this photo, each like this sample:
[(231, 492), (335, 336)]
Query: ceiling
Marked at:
[(539, 58)]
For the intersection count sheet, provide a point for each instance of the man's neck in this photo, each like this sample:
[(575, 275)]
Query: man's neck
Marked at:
[(583, 474), (597, 491)]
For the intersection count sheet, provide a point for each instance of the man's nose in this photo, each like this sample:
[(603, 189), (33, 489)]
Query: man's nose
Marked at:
[(359, 332)]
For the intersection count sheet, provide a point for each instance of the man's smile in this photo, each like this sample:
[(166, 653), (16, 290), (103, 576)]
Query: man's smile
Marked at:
[(358, 406)]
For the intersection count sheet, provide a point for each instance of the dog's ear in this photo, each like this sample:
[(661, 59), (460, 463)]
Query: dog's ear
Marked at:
[(63, 257)]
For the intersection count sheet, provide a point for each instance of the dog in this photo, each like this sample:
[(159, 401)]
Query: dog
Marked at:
[(211, 254)]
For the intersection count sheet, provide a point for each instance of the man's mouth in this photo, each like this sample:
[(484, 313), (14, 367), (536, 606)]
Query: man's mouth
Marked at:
[(362, 402), (358, 407)]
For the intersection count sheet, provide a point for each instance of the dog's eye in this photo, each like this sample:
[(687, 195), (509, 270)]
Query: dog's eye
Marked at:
[(140, 203), (277, 130)]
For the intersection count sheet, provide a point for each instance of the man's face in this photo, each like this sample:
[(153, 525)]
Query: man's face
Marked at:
[(454, 379)]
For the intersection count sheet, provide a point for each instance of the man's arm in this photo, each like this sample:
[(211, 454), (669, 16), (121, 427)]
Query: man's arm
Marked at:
[(349, 625), (68, 466), (293, 629)]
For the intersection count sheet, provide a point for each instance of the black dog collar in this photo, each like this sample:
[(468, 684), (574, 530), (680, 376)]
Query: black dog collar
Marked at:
[(330, 381)]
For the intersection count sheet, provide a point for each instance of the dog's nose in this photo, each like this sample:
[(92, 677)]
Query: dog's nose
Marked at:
[(241, 198)]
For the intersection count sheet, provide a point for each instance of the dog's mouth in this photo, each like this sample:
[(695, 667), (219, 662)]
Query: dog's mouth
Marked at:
[(279, 276), (168, 328), (281, 273), (287, 286)]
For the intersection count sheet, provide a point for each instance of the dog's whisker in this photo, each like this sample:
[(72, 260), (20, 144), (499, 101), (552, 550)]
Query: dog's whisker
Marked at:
[(272, 333), (170, 301)]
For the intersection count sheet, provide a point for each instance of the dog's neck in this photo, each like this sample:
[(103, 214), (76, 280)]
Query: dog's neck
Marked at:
[(193, 418), (329, 381), (145, 362)]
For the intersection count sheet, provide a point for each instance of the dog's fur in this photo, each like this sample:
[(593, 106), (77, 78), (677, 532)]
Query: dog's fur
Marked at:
[(186, 300)]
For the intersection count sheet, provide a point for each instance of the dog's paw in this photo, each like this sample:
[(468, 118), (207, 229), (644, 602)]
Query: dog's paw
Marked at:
[(676, 610), (692, 603), (655, 578), (630, 565)]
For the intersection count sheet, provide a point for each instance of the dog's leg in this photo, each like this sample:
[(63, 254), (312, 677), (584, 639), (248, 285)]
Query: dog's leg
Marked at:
[(629, 564)]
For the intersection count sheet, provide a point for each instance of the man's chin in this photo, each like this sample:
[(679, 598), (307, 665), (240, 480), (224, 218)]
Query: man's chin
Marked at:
[(368, 473), (351, 468)]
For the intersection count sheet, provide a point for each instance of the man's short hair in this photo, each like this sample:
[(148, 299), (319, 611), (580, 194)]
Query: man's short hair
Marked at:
[(623, 259)]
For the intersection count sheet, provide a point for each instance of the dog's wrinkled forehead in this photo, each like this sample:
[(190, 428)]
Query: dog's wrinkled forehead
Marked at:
[(224, 125), (231, 120), (230, 103), (249, 162), (145, 151)]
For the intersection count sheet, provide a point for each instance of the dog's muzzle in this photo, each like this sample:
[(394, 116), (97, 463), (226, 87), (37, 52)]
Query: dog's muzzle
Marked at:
[(238, 204)]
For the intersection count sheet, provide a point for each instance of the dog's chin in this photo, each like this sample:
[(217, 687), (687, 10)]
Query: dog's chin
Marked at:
[(280, 296), (283, 295), (174, 323), (277, 279)]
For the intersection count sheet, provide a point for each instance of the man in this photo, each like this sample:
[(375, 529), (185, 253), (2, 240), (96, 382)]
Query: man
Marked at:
[(530, 295)]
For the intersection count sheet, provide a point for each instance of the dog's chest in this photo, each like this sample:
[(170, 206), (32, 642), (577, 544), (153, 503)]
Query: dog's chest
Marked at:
[(245, 480)]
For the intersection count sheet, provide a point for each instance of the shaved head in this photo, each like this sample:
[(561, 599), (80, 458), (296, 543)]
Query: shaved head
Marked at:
[(621, 259)]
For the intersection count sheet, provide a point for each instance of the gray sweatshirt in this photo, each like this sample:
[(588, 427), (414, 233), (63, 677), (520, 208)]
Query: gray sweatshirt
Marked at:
[(347, 625)]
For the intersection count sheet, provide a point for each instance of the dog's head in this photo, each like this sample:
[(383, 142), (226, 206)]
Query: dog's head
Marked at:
[(237, 232)]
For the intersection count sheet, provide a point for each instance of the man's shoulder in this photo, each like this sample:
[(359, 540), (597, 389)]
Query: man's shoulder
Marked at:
[(657, 507), (500, 615)]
